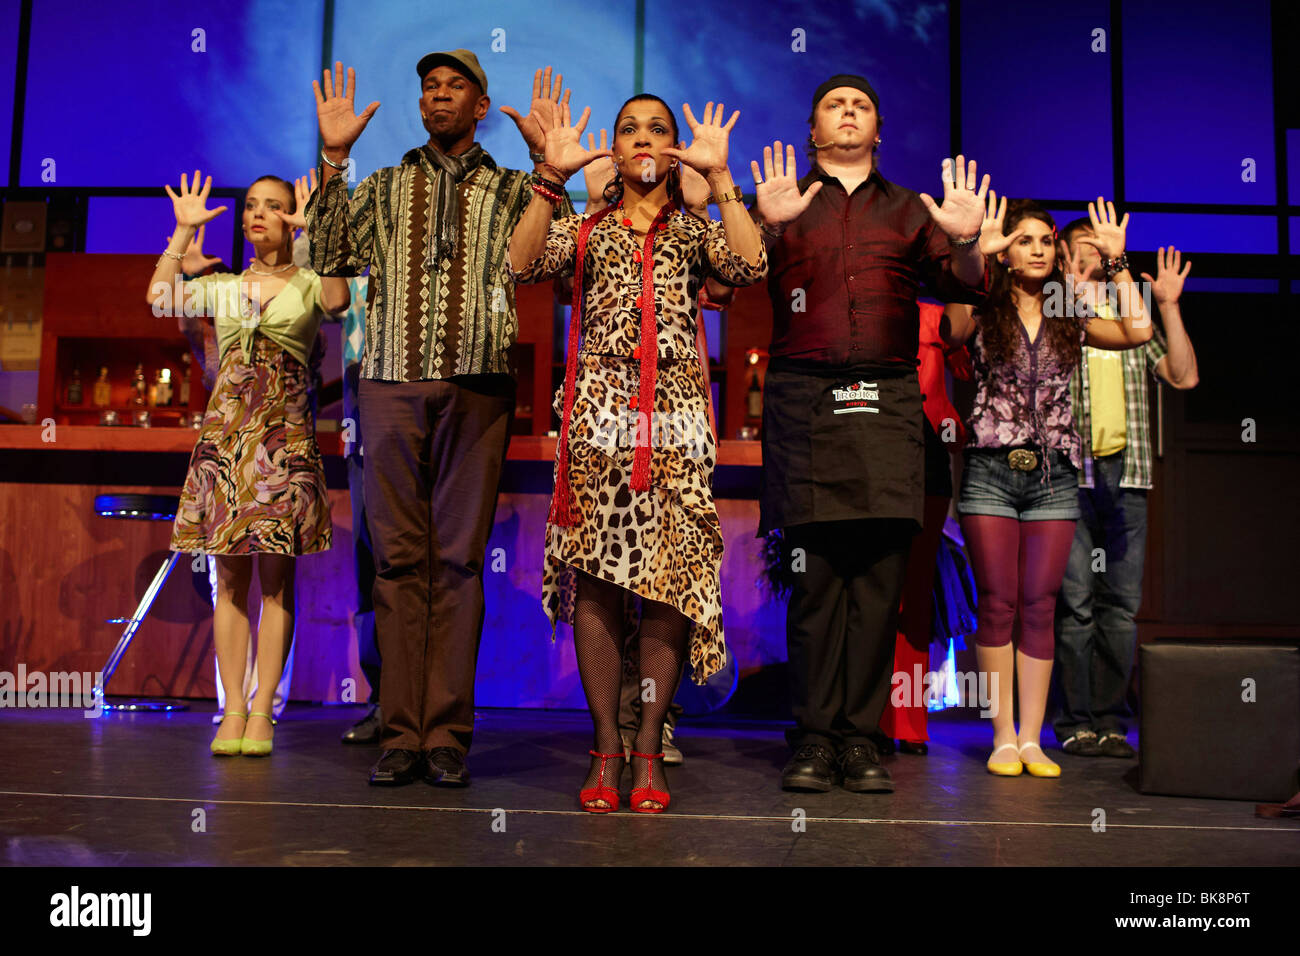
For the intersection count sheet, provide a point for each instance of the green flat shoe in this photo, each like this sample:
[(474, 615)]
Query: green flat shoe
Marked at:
[(256, 748), (231, 746)]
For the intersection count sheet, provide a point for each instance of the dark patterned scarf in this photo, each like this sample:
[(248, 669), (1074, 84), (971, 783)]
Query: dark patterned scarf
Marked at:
[(446, 209)]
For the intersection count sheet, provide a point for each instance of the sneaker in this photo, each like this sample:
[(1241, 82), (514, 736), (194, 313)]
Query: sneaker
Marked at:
[(1082, 744), (672, 755), (1114, 744)]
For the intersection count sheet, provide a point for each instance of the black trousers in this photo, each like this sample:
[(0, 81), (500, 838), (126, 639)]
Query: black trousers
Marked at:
[(841, 624)]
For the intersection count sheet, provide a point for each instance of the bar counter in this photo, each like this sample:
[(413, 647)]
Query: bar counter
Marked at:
[(66, 570)]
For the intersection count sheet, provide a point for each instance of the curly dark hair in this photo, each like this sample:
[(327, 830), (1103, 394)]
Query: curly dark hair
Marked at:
[(999, 322), (614, 191)]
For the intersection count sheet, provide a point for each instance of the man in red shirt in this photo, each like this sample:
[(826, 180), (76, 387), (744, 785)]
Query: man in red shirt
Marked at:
[(843, 453)]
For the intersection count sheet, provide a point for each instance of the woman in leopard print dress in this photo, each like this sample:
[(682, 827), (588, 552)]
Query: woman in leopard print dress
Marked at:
[(633, 515)]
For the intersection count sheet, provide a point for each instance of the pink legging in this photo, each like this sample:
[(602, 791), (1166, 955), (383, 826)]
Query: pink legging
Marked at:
[(1017, 564)]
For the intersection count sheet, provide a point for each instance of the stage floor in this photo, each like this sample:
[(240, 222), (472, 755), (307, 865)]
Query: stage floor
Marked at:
[(127, 790)]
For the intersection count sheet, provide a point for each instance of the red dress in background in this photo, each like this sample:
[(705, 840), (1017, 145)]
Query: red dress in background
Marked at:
[(912, 642)]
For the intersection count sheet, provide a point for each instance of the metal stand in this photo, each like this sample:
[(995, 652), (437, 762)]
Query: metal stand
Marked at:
[(132, 625)]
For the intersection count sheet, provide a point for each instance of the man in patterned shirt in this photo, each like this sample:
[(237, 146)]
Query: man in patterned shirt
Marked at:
[(436, 394), (1096, 634)]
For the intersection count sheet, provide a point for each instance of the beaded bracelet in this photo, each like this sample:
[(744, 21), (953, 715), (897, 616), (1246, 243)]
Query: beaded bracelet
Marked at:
[(1117, 265), (546, 194)]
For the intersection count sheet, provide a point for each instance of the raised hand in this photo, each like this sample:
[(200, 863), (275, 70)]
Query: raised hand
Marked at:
[(195, 262), (302, 190), (708, 150), (991, 239), (1072, 263), (777, 188), (191, 206), (340, 126), (1167, 286), (542, 111), (564, 143), (962, 212), (1108, 231), (598, 173)]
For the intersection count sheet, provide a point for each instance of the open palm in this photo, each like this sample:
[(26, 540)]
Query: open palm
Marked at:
[(191, 205), (1108, 230), (962, 211), (600, 172), (1167, 286), (991, 239), (302, 190), (708, 150), (564, 143), (340, 126), (542, 111), (777, 188)]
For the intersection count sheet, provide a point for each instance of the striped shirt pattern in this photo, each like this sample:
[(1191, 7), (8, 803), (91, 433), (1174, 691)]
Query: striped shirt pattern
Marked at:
[(456, 318)]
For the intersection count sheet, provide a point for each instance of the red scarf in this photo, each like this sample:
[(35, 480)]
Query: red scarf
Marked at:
[(562, 511)]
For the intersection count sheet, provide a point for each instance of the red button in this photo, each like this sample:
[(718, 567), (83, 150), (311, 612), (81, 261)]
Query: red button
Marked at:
[(631, 403), (638, 302), (627, 222), (636, 256), (636, 352)]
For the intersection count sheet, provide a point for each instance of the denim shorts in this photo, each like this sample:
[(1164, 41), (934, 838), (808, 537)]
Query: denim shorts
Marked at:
[(990, 486)]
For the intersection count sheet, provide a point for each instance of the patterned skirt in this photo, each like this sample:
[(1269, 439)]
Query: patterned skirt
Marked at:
[(664, 544), (256, 481)]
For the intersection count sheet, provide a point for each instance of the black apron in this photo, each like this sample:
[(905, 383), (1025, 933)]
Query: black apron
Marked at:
[(840, 444)]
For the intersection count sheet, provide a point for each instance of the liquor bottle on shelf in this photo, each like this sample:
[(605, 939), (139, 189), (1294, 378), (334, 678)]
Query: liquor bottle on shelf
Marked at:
[(754, 398), (100, 392), (185, 380), (139, 387), (74, 388), (163, 388)]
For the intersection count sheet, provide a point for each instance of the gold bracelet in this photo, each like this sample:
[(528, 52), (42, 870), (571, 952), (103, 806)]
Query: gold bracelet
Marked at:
[(731, 194)]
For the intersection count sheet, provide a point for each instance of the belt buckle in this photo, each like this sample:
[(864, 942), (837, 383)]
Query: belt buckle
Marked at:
[(1022, 459)]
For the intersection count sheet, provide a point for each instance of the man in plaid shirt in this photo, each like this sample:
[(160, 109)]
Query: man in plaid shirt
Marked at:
[(1096, 633)]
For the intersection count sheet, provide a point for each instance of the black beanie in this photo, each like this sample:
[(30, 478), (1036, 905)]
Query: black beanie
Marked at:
[(846, 79)]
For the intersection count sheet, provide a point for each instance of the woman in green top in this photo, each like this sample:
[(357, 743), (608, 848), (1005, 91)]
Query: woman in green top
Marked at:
[(255, 485)]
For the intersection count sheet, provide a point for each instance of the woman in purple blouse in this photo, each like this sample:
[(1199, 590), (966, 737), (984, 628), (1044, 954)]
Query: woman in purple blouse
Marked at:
[(1019, 494)]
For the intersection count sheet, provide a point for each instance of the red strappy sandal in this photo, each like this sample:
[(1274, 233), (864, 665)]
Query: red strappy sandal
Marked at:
[(600, 791), (648, 792)]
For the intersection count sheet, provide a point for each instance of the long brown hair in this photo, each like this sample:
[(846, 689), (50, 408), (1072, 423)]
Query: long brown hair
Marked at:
[(614, 190), (999, 322)]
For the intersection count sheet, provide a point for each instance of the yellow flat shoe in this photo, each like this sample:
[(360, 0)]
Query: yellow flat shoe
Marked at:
[(1038, 768), (229, 747), (256, 748), (1008, 768)]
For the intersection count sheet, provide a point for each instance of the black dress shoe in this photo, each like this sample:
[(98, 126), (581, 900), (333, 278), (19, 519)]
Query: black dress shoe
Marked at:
[(1113, 744), (1082, 743), (366, 730), (811, 769), (445, 767), (396, 768), (917, 748), (884, 745), (862, 771)]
